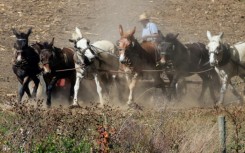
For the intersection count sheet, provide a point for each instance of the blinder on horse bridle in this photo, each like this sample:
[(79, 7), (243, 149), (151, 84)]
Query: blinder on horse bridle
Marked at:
[(218, 50), (81, 52), (168, 47), (222, 53), (78, 49), (49, 50)]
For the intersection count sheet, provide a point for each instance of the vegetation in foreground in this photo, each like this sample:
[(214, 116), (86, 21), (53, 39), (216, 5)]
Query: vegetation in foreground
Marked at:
[(26, 128)]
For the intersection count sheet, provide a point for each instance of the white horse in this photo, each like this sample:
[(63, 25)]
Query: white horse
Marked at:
[(228, 60), (93, 59)]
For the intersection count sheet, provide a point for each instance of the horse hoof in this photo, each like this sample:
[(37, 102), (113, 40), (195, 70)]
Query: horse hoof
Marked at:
[(100, 106), (219, 104), (135, 106), (240, 102), (74, 106), (48, 104), (129, 102)]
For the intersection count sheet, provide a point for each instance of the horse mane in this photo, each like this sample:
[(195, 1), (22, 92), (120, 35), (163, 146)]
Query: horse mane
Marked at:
[(226, 54)]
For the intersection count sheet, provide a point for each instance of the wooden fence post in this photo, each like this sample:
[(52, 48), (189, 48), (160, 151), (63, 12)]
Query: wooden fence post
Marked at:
[(222, 133)]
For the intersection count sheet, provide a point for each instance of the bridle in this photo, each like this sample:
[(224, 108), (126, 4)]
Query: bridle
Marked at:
[(127, 60), (22, 42), (226, 56), (52, 52), (82, 52), (218, 50)]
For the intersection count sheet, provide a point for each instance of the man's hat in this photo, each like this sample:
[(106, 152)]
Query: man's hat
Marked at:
[(143, 17)]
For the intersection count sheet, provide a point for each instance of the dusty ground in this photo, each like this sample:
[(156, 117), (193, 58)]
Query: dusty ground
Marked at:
[(99, 19)]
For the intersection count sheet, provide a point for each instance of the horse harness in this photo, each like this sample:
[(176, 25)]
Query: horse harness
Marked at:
[(95, 51), (227, 56), (21, 63)]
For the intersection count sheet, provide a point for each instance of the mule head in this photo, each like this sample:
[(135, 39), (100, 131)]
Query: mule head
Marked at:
[(22, 38), (126, 41), (215, 48), (47, 55), (20, 44), (82, 45), (170, 42)]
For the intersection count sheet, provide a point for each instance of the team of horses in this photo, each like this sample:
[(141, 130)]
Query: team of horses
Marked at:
[(214, 63)]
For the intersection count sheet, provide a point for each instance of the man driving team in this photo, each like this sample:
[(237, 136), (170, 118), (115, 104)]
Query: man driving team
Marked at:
[(151, 33)]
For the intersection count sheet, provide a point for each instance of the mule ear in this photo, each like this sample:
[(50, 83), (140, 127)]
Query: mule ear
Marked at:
[(78, 32), (133, 31), (121, 30), (72, 40), (51, 43), (176, 35), (88, 41), (29, 31), (15, 32), (209, 35), (221, 34)]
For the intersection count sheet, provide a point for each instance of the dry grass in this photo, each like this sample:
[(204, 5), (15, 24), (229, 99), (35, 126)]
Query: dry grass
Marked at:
[(26, 128)]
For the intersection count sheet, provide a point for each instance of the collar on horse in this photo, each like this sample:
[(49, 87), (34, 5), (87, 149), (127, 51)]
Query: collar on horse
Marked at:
[(226, 55)]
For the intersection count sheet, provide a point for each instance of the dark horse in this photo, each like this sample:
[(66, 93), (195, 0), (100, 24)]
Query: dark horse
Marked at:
[(189, 59), (135, 58), (25, 64), (57, 64)]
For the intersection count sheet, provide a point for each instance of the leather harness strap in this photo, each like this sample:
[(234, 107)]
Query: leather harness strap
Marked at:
[(226, 55)]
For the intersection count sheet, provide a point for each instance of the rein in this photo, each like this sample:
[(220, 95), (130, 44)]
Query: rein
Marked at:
[(62, 70)]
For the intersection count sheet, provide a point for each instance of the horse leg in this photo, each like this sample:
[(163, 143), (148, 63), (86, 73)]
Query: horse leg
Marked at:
[(23, 88), (20, 91), (99, 89), (76, 88), (131, 86), (26, 86), (234, 91), (49, 90), (36, 83), (213, 84), (73, 81), (181, 88), (120, 86), (222, 91), (173, 86), (159, 82), (212, 91), (205, 84)]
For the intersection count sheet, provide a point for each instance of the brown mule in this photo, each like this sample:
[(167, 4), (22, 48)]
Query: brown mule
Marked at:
[(135, 58), (54, 61)]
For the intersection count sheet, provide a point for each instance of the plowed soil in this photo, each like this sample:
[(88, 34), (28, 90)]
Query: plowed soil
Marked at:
[(99, 19)]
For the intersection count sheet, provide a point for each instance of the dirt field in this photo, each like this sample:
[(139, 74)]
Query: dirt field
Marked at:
[(99, 19)]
